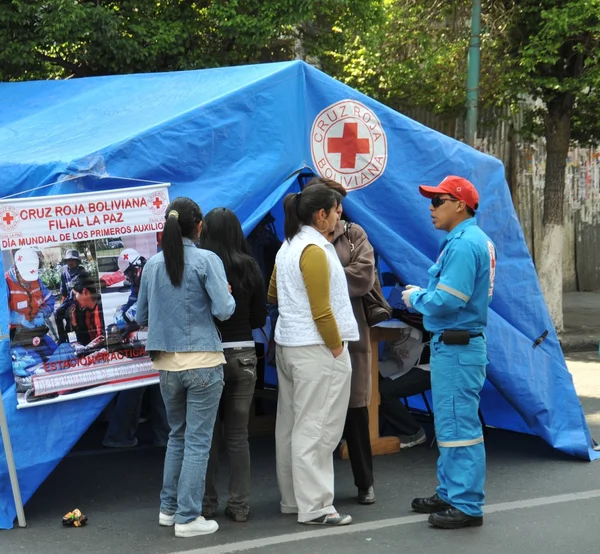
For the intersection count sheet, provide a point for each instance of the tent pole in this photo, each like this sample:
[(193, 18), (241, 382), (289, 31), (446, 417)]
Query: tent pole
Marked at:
[(10, 462)]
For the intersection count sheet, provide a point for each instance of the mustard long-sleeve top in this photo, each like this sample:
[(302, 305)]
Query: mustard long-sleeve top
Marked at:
[(315, 273)]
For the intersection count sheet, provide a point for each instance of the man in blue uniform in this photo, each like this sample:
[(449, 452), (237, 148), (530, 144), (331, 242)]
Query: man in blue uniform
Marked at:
[(455, 308)]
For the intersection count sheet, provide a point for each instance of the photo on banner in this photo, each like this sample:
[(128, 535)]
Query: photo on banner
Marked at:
[(72, 303)]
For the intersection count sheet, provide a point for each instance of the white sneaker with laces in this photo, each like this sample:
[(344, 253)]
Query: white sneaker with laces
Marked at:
[(165, 520), (199, 526)]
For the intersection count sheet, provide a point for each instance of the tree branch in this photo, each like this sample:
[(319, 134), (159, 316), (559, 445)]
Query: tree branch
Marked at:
[(76, 69)]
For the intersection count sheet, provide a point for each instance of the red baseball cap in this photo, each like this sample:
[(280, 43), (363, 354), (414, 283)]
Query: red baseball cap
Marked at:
[(458, 187)]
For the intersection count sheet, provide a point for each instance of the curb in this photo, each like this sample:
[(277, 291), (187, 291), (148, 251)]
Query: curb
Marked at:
[(579, 344)]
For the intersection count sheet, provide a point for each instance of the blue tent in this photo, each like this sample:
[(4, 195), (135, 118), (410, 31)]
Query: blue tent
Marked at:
[(233, 137)]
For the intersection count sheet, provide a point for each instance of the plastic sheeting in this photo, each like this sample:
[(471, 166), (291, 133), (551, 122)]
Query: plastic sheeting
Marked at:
[(232, 137)]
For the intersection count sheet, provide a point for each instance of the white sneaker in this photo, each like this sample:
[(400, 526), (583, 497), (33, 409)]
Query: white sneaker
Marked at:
[(199, 526), (165, 520)]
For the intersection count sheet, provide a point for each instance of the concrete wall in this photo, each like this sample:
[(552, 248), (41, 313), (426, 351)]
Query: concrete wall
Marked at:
[(581, 251)]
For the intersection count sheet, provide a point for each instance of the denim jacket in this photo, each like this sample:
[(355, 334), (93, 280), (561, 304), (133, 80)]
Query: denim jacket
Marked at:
[(180, 319)]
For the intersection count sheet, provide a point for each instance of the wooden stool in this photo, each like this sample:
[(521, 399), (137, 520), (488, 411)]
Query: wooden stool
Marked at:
[(389, 330)]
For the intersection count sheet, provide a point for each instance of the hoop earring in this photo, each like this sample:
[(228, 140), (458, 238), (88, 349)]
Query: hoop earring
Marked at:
[(323, 230)]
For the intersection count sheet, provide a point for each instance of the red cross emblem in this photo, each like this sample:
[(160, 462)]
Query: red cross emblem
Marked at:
[(349, 145), (32, 271), (20, 259), (125, 256), (9, 219), (157, 202)]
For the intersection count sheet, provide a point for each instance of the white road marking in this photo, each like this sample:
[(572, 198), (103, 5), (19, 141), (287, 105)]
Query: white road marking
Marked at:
[(316, 533)]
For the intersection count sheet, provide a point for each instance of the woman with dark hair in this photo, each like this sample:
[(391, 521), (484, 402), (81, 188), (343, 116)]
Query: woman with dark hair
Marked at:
[(222, 234), (183, 288), (313, 364), (358, 260)]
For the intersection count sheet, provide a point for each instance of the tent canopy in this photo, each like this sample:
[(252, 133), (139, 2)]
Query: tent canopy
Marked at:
[(232, 137)]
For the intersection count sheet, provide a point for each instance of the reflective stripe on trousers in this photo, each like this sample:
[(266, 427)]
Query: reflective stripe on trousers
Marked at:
[(457, 377)]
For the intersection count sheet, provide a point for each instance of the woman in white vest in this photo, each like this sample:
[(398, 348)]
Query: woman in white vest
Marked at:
[(313, 364)]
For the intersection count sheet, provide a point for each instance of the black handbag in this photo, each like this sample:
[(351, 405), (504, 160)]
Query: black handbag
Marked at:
[(374, 303)]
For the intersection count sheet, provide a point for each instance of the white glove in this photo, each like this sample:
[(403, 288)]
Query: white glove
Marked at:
[(406, 294)]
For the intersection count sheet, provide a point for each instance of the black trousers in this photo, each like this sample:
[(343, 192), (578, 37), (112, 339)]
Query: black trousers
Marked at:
[(392, 409), (358, 440)]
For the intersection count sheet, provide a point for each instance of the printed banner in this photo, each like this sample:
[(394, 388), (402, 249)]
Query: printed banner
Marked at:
[(73, 266)]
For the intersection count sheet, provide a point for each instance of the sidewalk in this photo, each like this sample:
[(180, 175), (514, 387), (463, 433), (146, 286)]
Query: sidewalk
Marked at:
[(582, 321)]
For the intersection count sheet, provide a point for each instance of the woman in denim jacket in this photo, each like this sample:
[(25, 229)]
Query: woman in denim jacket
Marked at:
[(222, 234), (183, 288)]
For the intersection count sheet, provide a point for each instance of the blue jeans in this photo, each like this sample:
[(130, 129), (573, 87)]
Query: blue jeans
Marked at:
[(191, 399)]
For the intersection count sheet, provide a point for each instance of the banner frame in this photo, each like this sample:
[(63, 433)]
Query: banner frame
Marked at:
[(12, 468), (13, 200)]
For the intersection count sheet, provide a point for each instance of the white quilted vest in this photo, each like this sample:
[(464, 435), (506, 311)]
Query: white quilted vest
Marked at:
[(295, 325)]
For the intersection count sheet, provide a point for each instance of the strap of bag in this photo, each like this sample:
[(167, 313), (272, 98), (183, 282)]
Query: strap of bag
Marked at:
[(347, 226)]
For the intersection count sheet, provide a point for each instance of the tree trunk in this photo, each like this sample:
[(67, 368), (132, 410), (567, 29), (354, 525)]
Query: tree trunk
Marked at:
[(558, 136)]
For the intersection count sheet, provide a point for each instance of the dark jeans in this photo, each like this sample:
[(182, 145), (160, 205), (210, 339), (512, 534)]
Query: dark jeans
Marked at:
[(358, 440), (391, 407), (240, 379), (124, 420)]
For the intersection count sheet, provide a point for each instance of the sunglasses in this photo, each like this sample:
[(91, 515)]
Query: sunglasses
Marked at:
[(436, 201)]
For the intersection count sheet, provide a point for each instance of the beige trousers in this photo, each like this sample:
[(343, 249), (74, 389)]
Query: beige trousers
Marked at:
[(314, 391)]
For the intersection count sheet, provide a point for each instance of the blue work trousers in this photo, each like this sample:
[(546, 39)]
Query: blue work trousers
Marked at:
[(457, 377)]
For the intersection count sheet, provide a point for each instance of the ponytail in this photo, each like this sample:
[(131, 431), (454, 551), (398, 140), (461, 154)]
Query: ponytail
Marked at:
[(181, 219), (292, 222), (300, 208)]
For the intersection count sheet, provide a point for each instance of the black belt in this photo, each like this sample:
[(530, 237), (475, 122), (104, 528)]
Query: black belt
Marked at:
[(472, 335), (458, 336)]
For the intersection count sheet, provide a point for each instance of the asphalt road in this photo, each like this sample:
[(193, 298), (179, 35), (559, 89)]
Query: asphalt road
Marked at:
[(538, 501)]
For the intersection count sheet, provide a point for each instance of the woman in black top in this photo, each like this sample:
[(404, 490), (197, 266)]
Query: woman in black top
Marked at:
[(222, 234)]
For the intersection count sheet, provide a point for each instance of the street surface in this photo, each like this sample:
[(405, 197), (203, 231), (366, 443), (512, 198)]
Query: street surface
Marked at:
[(538, 501)]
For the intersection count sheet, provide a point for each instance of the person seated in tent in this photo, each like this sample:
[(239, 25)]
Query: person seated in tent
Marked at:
[(30, 303), (71, 270), (408, 376)]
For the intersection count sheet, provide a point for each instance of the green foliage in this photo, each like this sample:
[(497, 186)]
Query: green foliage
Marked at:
[(51, 278), (557, 46), (406, 53), (417, 55), (65, 38)]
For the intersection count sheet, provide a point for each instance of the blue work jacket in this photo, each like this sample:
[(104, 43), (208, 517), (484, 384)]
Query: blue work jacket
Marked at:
[(461, 282)]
